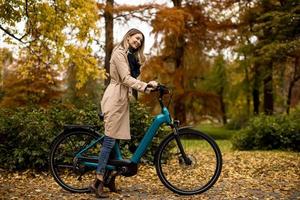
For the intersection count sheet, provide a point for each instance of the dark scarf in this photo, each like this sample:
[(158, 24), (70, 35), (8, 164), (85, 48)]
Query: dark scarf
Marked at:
[(134, 67)]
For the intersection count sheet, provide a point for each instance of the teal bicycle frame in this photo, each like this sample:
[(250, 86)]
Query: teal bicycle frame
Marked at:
[(163, 117)]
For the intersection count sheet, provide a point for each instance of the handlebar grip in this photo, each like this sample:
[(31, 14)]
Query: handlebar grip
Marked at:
[(164, 89), (161, 88)]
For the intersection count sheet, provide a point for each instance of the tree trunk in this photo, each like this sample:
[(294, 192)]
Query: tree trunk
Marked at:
[(296, 77), (289, 97), (109, 41), (177, 3), (248, 95), (268, 90), (248, 99), (179, 104), (223, 107), (255, 90)]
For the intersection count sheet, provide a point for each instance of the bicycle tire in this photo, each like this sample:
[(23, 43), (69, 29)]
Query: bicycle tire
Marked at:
[(171, 168), (61, 159)]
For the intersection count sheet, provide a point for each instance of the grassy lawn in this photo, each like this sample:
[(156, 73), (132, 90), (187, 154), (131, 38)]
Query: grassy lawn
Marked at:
[(224, 145), (216, 131), (219, 133)]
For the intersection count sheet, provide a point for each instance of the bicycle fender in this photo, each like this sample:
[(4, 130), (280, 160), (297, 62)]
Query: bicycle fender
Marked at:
[(185, 128)]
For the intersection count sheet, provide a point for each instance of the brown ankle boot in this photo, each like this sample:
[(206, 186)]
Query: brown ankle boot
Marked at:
[(100, 192), (111, 184), (94, 185)]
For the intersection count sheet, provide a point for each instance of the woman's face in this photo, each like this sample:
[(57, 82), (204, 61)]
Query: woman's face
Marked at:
[(135, 41)]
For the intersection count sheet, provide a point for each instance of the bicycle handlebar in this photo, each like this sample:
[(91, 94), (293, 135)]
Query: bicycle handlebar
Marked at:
[(162, 89)]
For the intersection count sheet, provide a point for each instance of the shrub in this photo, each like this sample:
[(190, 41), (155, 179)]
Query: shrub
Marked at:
[(269, 132), (26, 133)]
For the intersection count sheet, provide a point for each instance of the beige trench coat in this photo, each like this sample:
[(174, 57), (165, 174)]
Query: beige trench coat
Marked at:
[(115, 101)]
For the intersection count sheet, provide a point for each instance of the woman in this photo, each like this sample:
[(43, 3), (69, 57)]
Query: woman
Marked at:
[(125, 63)]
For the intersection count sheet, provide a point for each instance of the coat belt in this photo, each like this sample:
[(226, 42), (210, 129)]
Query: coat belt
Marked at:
[(112, 81)]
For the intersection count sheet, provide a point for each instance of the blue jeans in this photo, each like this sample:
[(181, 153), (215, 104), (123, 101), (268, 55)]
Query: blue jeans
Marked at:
[(108, 144)]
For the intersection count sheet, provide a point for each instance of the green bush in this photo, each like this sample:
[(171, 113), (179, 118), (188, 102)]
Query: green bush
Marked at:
[(269, 132), (26, 133)]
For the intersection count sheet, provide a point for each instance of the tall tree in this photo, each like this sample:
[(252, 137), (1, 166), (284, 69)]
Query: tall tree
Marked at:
[(109, 40), (256, 89), (6, 60), (188, 32), (218, 82), (56, 33), (268, 43), (179, 47), (295, 77), (122, 13)]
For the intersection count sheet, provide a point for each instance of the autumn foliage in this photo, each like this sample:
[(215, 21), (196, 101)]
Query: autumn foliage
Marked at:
[(254, 38), (225, 61)]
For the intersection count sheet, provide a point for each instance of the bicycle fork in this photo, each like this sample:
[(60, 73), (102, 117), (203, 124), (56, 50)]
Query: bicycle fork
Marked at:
[(186, 159)]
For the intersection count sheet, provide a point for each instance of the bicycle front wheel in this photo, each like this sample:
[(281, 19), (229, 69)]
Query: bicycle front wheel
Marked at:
[(189, 178), (67, 171)]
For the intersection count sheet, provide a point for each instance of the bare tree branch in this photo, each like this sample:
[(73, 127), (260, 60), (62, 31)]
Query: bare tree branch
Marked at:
[(26, 8), (13, 36), (125, 12), (20, 40), (132, 15)]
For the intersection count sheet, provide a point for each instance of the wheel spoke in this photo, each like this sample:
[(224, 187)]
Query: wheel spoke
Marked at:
[(196, 176), (68, 171)]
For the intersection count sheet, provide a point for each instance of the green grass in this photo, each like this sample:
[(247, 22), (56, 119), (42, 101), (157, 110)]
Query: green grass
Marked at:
[(224, 145), (217, 132)]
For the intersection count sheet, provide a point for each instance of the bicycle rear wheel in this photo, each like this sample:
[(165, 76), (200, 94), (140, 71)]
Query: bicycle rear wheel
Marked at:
[(67, 171), (194, 178)]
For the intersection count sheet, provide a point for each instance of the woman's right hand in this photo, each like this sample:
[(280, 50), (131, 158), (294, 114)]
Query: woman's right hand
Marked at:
[(153, 84)]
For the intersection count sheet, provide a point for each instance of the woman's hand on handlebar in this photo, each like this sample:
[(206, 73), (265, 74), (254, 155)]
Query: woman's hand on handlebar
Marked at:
[(151, 86)]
